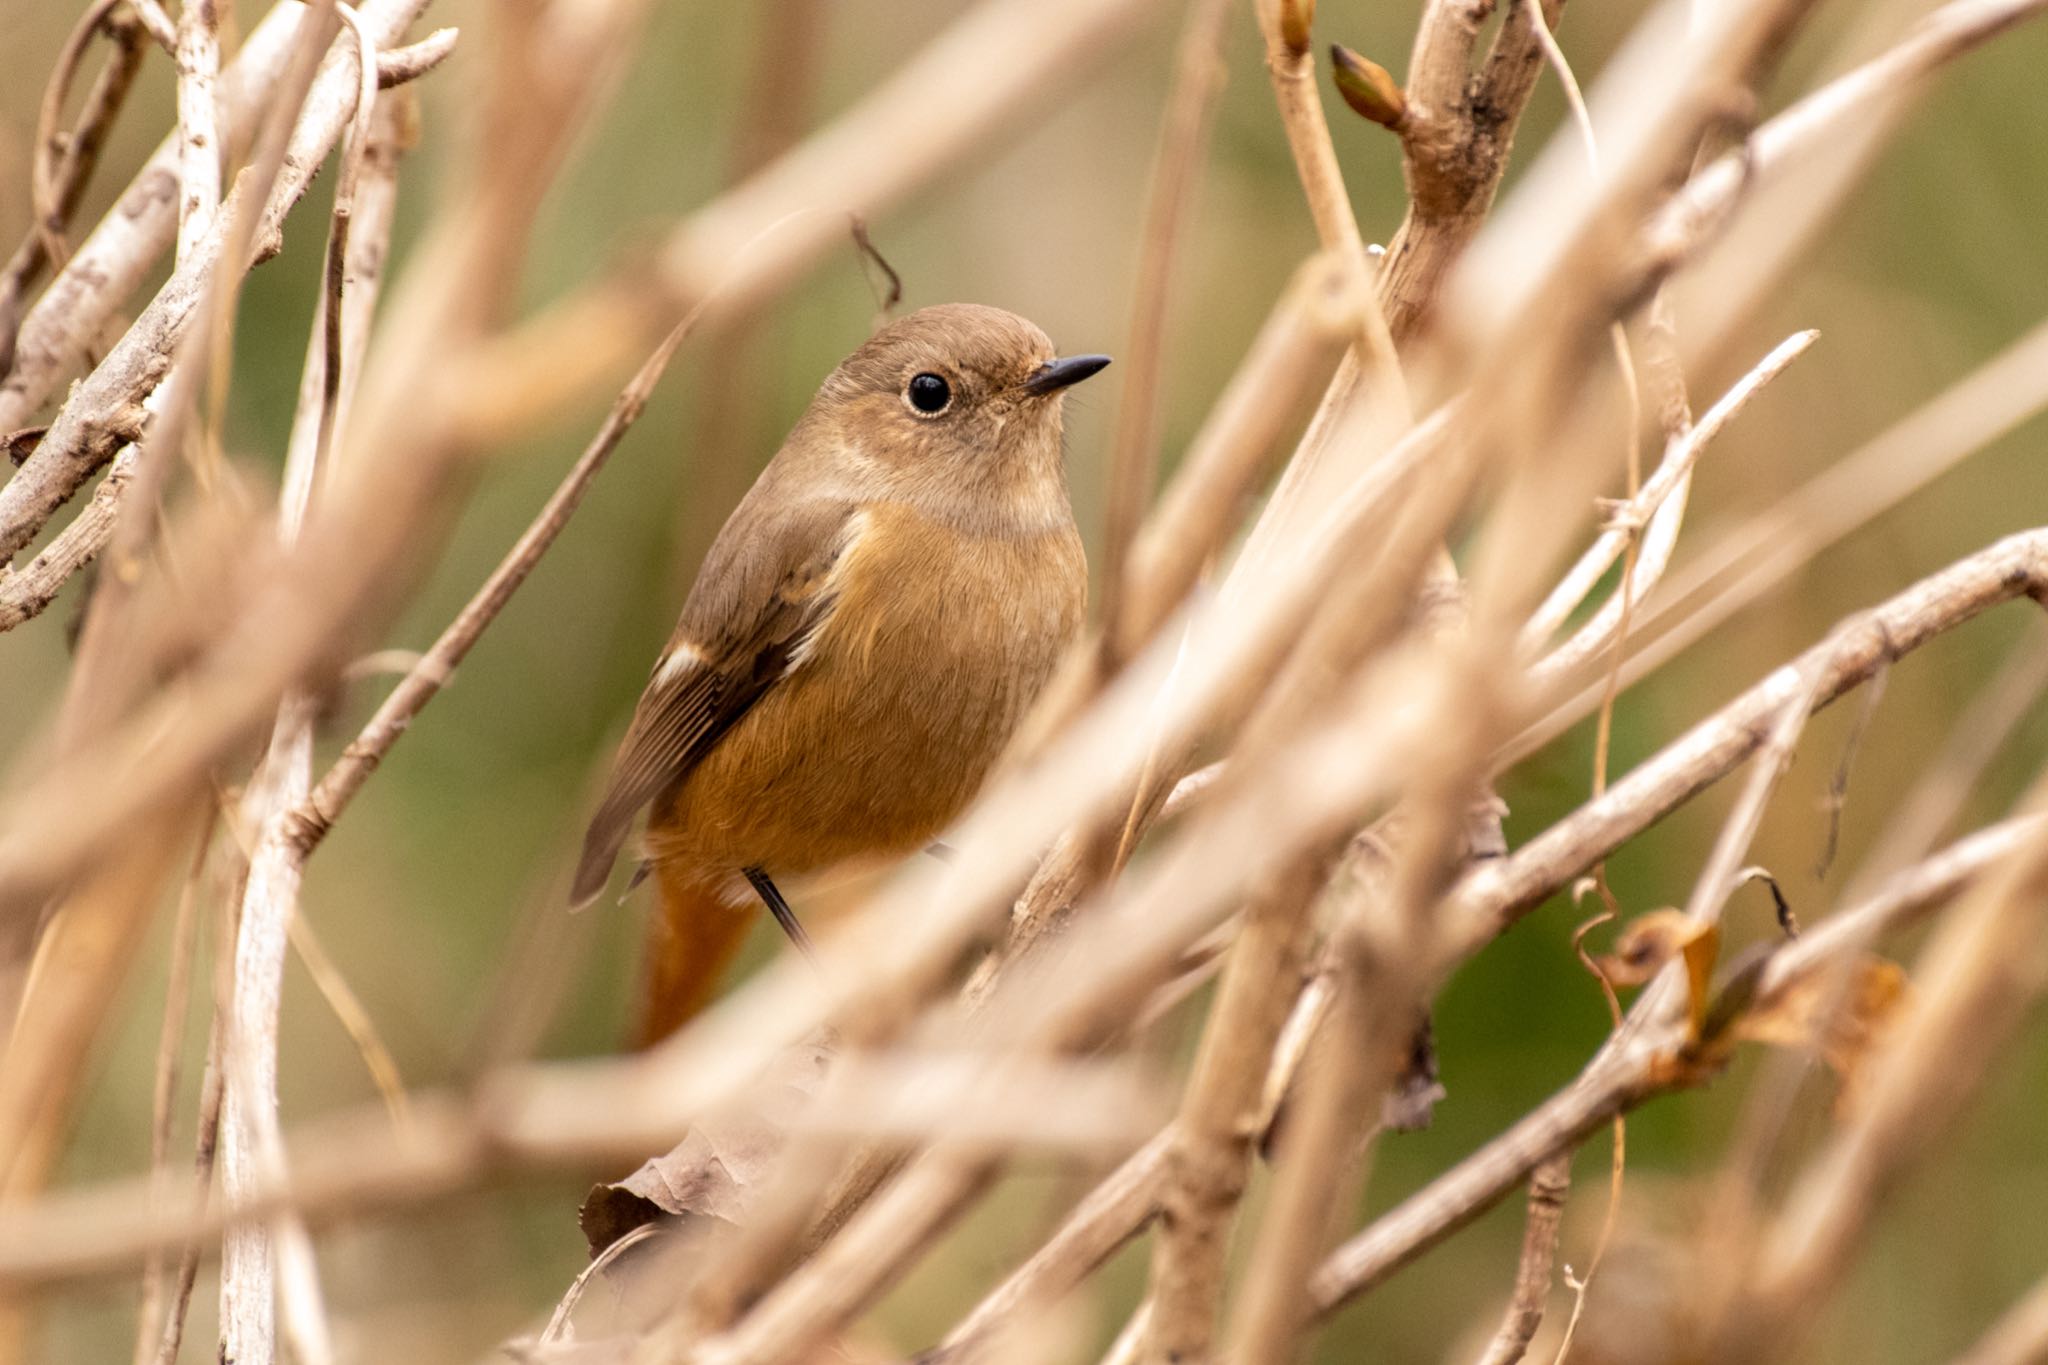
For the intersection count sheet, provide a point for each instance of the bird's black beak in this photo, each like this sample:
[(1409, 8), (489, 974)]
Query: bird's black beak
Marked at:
[(1055, 375)]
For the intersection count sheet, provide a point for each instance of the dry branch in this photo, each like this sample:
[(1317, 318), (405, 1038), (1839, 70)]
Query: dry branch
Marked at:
[(59, 188), (89, 425), (1210, 1159), (315, 813), (1549, 1183), (1494, 895), (251, 1143), (60, 332), (199, 141), (1176, 176), (1612, 1083)]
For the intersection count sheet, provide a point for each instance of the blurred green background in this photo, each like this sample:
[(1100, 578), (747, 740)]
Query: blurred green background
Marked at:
[(1937, 262)]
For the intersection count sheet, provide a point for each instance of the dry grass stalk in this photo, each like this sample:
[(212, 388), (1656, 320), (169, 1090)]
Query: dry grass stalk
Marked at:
[(1176, 176), (84, 434), (251, 1145), (163, 1095), (1654, 512)]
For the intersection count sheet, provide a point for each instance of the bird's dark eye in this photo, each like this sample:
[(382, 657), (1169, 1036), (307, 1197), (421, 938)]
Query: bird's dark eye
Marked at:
[(929, 394)]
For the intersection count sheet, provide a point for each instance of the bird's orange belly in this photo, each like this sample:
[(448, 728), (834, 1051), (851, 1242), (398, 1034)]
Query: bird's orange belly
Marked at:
[(879, 739)]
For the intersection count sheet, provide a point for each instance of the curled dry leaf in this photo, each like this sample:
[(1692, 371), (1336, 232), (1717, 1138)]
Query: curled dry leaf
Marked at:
[(717, 1169), (1845, 1020), (1649, 941)]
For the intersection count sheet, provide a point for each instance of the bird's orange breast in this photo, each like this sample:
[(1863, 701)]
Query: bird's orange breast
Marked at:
[(937, 643)]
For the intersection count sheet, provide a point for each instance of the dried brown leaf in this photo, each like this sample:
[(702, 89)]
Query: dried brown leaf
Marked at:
[(1843, 1020), (716, 1170), (1645, 944), (1699, 949), (1648, 942)]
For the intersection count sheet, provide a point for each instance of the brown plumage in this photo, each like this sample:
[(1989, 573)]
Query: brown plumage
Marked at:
[(863, 637)]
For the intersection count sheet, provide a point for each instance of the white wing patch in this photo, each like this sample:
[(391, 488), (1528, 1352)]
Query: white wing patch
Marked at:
[(677, 662), (828, 591)]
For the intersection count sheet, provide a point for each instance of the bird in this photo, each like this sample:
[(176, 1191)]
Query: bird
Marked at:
[(863, 636)]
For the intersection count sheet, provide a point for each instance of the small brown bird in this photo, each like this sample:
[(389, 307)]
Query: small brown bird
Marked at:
[(863, 637)]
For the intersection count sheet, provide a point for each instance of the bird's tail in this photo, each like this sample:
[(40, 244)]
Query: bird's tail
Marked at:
[(692, 938)]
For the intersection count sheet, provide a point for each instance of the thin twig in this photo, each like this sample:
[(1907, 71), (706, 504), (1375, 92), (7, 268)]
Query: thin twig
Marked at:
[(315, 815), (164, 1092), (1548, 1185), (206, 1146), (81, 439), (558, 1321), (403, 65), (63, 328), (1838, 784), (1665, 487), (1176, 176), (47, 209), (354, 1018), (1611, 1084), (57, 191)]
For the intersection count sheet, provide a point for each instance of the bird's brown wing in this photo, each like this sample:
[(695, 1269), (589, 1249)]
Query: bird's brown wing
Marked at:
[(764, 590)]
